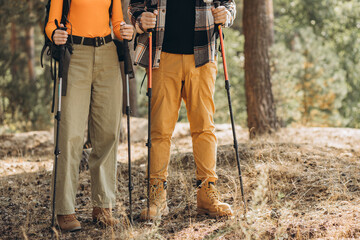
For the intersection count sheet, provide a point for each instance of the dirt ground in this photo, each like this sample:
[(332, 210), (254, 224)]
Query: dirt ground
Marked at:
[(300, 183)]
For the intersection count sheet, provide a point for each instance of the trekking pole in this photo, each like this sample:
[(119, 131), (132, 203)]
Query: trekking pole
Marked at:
[(128, 70), (149, 94), (150, 8), (227, 87), (57, 117)]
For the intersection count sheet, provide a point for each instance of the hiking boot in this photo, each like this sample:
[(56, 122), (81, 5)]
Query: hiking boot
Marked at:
[(68, 223), (104, 217), (158, 205), (209, 202)]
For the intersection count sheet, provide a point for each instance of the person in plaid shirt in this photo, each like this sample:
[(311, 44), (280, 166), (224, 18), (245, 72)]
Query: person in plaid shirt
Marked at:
[(184, 67)]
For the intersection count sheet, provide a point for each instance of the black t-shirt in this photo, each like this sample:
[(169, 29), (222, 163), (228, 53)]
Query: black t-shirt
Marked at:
[(179, 27)]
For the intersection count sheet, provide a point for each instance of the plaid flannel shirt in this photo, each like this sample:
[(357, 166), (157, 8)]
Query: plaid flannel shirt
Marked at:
[(205, 37)]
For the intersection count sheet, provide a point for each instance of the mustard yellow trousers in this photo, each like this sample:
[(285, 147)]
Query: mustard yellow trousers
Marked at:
[(177, 79), (93, 79)]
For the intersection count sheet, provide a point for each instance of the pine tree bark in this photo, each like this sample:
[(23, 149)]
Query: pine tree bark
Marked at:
[(30, 51), (30, 46), (13, 67), (259, 98), (270, 17), (13, 42)]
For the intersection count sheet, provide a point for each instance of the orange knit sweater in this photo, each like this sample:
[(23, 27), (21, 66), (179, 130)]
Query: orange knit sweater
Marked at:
[(88, 18)]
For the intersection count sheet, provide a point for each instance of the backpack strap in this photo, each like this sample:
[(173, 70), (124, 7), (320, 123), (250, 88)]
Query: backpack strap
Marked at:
[(110, 9), (65, 12)]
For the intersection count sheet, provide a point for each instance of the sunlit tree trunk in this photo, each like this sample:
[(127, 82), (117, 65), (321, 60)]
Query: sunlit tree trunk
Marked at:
[(270, 17), (13, 41), (13, 66), (30, 51), (259, 98), (30, 47)]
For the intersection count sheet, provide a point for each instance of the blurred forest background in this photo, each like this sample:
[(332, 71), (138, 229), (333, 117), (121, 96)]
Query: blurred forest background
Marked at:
[(314, 66)]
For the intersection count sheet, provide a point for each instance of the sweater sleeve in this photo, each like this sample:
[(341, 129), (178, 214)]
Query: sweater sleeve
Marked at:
[(231, 7), (117, 18), (55, 13)]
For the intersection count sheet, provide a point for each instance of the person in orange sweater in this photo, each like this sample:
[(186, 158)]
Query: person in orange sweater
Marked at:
[(94, 80)]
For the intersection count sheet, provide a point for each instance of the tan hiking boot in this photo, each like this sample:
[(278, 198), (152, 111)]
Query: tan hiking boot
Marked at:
[(104, 217), (208, 201), (68, 222), (158, 205)]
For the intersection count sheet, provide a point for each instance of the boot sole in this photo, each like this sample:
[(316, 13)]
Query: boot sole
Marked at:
[(71, 230), (213, 214), (75, 229)]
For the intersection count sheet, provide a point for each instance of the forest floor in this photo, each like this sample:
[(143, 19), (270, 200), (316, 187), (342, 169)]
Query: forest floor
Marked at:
[(300, 183)]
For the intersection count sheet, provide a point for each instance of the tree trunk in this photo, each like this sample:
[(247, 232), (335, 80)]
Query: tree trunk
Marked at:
[(2, 117), (30, 51), (13, 41), (13, 64), (30, 46), (270, 17), (259, 98)]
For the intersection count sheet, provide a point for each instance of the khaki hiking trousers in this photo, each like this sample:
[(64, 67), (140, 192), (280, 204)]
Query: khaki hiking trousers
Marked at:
[(177, 79), (93, 80)]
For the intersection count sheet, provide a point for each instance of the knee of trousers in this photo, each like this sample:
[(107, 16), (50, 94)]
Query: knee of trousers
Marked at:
[(203, 132), (161, 136), (106, 138)]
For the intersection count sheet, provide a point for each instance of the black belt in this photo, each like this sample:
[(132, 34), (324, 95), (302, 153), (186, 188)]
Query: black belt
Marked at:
[(95, 42)]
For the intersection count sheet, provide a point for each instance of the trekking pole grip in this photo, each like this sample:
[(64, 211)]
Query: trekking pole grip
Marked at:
[(216, 5), (150, 30), (127, 60), (62, 50), (126, 45), (151, 9)]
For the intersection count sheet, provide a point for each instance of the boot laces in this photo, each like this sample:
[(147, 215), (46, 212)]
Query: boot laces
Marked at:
[(69, 218), (213, 193), (155, 190)]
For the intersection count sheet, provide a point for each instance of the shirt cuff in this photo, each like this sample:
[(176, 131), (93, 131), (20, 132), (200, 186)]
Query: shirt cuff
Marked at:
[(228, 19), (138, 26)]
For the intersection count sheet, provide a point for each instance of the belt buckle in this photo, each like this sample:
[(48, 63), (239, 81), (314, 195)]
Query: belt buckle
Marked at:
[(99, 41)]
